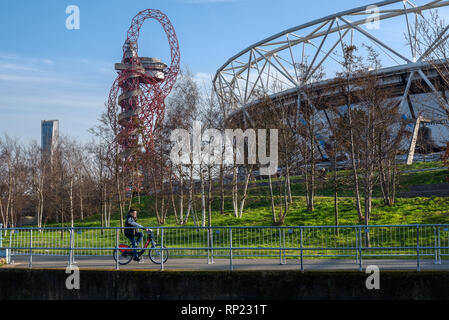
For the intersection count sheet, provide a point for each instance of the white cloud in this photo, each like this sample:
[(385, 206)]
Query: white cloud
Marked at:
[(22, 67), (12, 77), (7, 56), (203, 80), (17, 67), (56, 79), (208, 1), (61, 100), (47, 62)]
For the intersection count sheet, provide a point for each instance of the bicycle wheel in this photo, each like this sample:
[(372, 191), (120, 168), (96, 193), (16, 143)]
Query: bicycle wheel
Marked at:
[(124, 254), (155, 254)]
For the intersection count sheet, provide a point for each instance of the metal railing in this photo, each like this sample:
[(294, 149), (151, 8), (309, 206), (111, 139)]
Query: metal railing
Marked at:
[(4, 253), (416, 242)]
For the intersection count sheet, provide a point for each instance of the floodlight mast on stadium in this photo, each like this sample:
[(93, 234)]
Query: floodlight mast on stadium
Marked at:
[(320, 43)]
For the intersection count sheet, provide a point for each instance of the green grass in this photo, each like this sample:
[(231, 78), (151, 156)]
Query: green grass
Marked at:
[(422, 165), (258, 205), (425, 177), (348, 173), (325, 187), (432, 210), (405, 211), (257, 212)]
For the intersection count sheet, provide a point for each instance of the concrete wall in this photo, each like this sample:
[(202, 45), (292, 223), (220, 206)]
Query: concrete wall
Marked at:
[(136, 285)]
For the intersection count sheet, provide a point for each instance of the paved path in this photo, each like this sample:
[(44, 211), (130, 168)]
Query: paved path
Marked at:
[(426, 190), (107, 263), (424, 170)]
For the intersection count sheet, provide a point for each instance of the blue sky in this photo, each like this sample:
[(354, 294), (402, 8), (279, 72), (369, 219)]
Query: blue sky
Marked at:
[(49, 72)]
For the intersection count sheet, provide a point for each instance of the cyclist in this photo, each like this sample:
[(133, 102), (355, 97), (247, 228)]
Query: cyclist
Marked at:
[(131, 231)]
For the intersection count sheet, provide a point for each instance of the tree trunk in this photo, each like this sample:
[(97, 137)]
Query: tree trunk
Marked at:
[(81, 205), (104, 207), (273, 209), (62, 218), (383, 183), (103, 214), (109, 211), (13, 222), (203, 198), (209, 196), (190, 204), (2, 213), (41, 201), (172, 195), (289, 189), (8, 202), (281, 205), (395, 181), (286, 204), (311, 197), (222, 193), (354, 166), (306, 172), (335, 189), (71, 202), (245, 192), (41, 208), (119, 198), (181, 196), (368, 202), (156, 197), (235, 191)]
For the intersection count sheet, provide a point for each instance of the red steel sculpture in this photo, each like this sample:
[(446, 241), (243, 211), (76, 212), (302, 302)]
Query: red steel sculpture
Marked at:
[(136, 100)]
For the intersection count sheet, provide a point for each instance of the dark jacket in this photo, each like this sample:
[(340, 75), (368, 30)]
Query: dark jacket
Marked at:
[(130, 222)]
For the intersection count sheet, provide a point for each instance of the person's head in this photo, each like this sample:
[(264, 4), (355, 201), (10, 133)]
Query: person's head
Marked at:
[(132, 212)]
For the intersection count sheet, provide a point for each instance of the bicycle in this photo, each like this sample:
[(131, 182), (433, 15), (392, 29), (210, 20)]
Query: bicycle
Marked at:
[(125, 252)]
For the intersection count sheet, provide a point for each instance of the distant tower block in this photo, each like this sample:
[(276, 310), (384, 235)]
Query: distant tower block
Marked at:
[(49, 136)]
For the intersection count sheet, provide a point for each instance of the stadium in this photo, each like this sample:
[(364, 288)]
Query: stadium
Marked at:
[(309, 57)]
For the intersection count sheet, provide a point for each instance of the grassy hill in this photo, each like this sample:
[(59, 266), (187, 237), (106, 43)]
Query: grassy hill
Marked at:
[(257, 211)]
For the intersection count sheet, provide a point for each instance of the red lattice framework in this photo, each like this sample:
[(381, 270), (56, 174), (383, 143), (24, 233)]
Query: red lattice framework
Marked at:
[(140, 96)]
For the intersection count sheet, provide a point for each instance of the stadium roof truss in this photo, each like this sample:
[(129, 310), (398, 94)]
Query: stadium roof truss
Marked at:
[(271, 66)]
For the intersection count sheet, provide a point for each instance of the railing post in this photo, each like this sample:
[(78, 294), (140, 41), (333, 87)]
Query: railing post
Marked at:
[(208, 246), (10, 247), (230, 249), (280, 246), (283, 251), (356, 246), (3, 251), (418, 262), (71, 248), (360, 250), (301, 249), (436, 244), (1, 243), (30, 265), (210, 252), (162, 249), (117, 252), (439, 245)]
